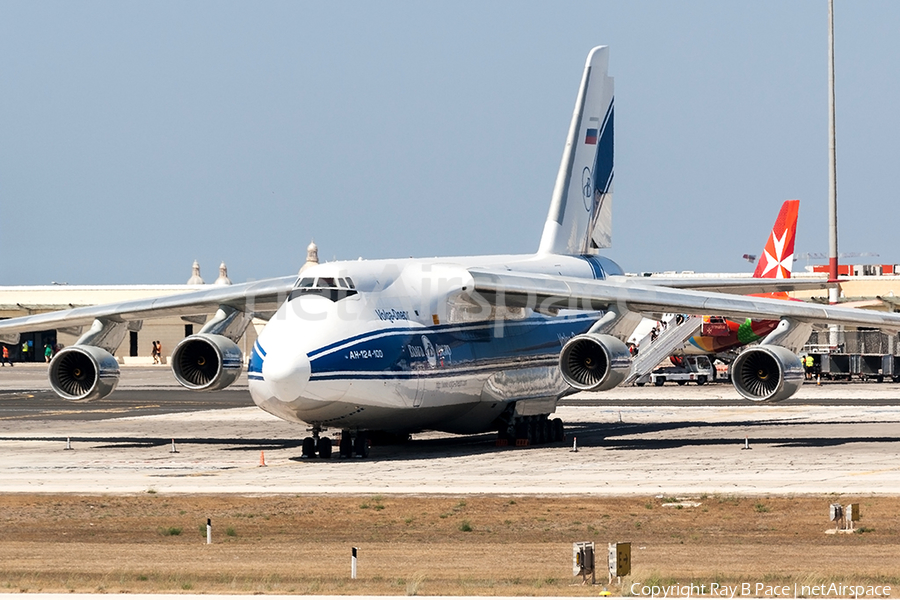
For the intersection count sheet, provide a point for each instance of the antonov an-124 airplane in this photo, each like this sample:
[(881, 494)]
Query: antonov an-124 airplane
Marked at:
[(463, 344)]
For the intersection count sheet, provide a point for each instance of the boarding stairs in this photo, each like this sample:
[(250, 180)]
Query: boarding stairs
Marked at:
[(672, 338)]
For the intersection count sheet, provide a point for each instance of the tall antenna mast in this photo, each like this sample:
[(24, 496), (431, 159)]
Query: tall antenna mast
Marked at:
[(832, 164)]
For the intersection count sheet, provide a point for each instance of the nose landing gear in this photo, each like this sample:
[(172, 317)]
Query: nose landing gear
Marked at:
[(350, 444), (316, 445)]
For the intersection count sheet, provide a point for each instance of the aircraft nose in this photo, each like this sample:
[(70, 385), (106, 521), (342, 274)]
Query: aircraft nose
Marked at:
[(287, 374)]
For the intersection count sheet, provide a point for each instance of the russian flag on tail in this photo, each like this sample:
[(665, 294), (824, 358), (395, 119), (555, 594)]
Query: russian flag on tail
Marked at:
[(590, 137)]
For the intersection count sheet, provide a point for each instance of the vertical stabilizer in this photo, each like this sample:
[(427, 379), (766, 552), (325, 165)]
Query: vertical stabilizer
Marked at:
[(777, 259), (580, 218)]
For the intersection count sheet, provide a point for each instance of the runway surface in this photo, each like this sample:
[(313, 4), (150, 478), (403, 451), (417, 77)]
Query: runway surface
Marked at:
[(670, 440)]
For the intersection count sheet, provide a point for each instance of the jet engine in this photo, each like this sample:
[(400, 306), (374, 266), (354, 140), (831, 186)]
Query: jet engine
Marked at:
[(594, 362), (767, 373), (84, 373), (206, 362)]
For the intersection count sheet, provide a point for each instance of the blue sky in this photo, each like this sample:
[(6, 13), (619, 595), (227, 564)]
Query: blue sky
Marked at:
[(140, 136)]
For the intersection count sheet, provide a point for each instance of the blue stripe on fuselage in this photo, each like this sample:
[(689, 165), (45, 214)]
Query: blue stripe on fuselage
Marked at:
[(256, 359), (596, 267), (404, 352)]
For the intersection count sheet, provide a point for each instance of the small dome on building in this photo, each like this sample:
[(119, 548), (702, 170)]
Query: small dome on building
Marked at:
[(312, 256), (223, 275), (195, 277)]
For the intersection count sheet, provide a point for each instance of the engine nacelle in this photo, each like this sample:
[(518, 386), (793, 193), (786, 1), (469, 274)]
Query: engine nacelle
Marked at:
[(206, 362), (767, 374), (83, 373), (594, 362)]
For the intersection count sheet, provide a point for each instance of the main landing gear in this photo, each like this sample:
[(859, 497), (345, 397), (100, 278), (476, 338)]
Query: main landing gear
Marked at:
[(531, 431), (348, 446)]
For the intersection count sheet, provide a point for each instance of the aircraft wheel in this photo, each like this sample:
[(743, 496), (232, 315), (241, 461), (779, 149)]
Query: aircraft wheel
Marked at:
[(546, 431), (309, 448), (521, 430), (532, 433), (510, 433), (659, 381), (324, 447), (559, 432), (345, 446), (880, 379), (361, 447)]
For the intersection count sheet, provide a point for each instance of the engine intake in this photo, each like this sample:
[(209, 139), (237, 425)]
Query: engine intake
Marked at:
[(83, 373), (206, 362), (767, 374), (594, 362)]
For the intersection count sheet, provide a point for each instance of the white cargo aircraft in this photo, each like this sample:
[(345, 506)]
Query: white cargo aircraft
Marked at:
[(463, 344)]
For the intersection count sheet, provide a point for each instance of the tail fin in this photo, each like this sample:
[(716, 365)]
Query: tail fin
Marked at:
[(777, 258), (580, 218)]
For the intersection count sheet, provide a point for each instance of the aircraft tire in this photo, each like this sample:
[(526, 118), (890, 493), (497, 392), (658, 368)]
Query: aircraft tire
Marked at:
[(361, 447), (559, 432), (324, 448), (546, 431), (345, 446), (309, 448), (521, 430)]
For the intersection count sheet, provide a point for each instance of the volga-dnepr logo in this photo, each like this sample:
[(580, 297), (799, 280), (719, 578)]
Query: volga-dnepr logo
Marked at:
[(392, 314)]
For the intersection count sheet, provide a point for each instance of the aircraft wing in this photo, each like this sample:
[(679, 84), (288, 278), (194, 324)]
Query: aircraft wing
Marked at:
[(730, 285), (545, 294), (257, 298)]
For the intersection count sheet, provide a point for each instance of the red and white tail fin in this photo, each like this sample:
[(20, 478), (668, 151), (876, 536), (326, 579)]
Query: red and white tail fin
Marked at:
[(778, 255)]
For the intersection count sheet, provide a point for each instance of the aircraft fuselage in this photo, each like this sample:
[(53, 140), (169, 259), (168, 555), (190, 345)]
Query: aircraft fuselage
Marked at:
[(403, 346)]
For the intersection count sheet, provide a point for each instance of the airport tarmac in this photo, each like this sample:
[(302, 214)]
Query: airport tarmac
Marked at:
[(836, 437)]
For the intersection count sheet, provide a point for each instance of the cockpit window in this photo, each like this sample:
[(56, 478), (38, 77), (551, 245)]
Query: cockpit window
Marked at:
[(333, 288)]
